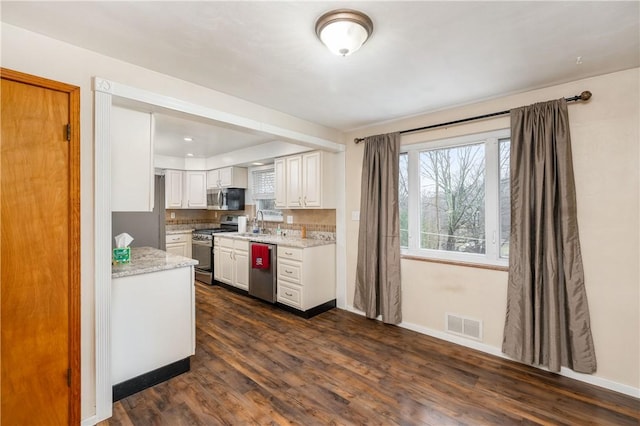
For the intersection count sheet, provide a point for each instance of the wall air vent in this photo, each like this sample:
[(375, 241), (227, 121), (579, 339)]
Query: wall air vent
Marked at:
[(463, 326)]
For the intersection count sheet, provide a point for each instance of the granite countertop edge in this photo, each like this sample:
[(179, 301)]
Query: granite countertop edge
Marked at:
[(273, 239), (179, 231), (145, 260)]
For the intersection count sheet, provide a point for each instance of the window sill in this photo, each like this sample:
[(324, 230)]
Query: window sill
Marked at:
[(456, 263)]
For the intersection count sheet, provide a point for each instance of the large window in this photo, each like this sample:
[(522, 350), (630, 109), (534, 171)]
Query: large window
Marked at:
[(454, 198)]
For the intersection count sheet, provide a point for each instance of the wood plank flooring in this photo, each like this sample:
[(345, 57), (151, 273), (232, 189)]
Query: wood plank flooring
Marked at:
[(256, 364)]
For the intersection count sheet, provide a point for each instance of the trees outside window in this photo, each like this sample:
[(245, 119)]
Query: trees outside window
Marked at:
[(454, 198)]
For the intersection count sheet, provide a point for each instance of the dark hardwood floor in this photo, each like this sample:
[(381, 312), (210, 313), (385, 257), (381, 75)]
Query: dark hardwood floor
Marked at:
[(256, 364)]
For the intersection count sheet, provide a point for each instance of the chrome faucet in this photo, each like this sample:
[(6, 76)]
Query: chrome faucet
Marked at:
[(261, 226)]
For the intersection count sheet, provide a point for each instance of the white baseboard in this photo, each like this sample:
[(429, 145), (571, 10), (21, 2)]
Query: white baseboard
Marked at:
[(492, 350)]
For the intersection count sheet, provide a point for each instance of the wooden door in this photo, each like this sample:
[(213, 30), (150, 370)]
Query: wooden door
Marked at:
[(40, 251)]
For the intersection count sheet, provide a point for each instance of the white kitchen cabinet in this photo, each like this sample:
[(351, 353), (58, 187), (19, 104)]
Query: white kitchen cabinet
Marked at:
[(312, 179), (306, 277), (216, 258), (196, 190), (226, 265), (279, 166), (173, 188), (241, 264), (306, 181), (132, 181), (227, 177), (179, 244), (185, 189), (294, 181), (234, 262)]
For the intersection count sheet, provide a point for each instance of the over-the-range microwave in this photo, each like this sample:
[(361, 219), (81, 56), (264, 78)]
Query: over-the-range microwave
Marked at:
[(225, 199)]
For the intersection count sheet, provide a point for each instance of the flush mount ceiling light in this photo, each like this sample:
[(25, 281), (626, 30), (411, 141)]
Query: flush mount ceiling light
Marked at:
[(343, 31)]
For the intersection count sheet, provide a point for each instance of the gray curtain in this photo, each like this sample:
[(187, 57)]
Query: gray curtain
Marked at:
[(547, 321), (378, 270)]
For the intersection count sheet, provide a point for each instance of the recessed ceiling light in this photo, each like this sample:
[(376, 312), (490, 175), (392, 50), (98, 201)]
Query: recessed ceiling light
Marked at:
[(258, 164), (188, 139), (189, 154)]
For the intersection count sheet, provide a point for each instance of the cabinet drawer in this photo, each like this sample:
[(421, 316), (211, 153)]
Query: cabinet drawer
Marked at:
[(241, 245), (176, 238), (224, 242), (289, 294), (289, 271), (289, 253)]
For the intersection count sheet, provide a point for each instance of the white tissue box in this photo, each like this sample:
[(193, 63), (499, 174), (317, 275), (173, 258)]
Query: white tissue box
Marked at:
[(121, 255)]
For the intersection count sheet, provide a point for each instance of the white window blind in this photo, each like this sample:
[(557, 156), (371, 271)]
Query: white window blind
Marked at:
[(264, 184)]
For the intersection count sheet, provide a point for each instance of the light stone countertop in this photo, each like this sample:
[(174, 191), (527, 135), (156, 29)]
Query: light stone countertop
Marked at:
[(147, 259), (273, 239), (178, 231)]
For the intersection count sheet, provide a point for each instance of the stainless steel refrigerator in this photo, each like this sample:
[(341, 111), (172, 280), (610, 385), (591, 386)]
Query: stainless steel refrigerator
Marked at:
[(146, 228)]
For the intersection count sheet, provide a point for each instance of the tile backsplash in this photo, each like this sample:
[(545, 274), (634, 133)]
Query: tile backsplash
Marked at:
[(319, 223)]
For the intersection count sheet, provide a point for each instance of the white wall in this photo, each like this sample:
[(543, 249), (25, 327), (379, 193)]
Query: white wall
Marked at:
[(605, 137), (35, 54)]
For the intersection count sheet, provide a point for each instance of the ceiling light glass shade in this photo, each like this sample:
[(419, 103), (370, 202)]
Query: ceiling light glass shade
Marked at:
[(344, 31)]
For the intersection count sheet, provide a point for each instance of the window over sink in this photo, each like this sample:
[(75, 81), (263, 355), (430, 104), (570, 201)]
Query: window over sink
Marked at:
[(264, 194)]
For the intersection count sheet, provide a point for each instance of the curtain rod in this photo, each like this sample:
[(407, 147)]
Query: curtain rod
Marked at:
[(584, 96)]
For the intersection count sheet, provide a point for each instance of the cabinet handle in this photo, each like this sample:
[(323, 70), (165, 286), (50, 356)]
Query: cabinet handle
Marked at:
[(288, 253), (288, 271), (305, 200), (288, 294), (299, 201)]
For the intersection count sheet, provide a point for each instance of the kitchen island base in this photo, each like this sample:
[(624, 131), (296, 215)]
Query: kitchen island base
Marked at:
[(152, 319), (152, 378)]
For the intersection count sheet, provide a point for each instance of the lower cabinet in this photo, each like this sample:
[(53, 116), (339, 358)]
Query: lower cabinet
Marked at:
[(179, 244), (232, 266), (306, 277)]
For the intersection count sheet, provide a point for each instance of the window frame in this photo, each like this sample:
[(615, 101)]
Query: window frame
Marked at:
[(491, 141), (267, 217)]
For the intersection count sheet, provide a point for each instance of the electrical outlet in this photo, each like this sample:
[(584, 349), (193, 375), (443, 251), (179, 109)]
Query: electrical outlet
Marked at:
[(173, 215), (289, 219), (355, 215)]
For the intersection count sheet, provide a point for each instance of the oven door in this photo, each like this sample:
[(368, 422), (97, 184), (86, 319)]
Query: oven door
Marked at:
[(201, 251)]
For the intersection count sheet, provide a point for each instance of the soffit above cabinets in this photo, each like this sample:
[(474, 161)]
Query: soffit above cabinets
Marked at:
[(212, 143)]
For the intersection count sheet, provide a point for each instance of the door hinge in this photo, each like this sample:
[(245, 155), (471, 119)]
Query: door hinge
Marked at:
[(68, 132), (69, 377)]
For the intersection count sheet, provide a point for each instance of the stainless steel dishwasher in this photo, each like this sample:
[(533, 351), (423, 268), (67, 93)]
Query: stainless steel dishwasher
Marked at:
[(262, 279)]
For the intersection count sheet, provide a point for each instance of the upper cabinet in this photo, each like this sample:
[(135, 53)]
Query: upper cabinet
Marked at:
[(305, 181), (173, 188), (280, 167), (228, 177), (185, 190), (196, 190), (132, 179)]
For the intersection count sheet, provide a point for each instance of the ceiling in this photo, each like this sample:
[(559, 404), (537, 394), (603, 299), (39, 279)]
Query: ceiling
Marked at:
[(422, 57)]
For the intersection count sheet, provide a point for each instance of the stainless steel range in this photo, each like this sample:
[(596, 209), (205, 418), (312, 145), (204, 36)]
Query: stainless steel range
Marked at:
[(202, 247)]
